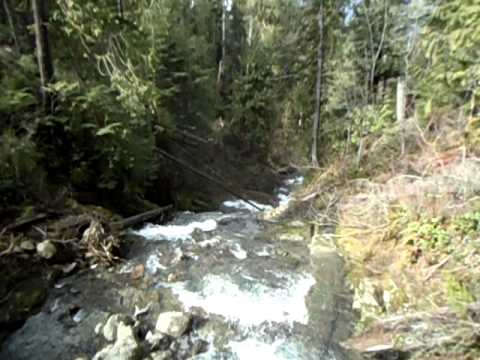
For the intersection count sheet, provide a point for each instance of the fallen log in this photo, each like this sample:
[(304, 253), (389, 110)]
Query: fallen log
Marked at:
[(209, 178), (25, 222), (140, 218)]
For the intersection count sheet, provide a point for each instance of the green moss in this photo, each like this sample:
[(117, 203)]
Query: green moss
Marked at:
[(458, 294)]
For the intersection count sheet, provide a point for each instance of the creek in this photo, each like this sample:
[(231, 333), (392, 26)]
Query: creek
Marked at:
[(263, 289)]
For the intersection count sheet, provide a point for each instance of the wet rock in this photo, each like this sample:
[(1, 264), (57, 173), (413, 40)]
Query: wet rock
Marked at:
[(183, 345), (199, 347), (157, 341), (173, 323), (141, 311), (138, 272), (370, 298), (291, 237), (133, 296), (45, 337), (46, 249), (67, 269), (179, 256), (172, 277), (125, 347), (162, 355), (79, 316), (110, 328)]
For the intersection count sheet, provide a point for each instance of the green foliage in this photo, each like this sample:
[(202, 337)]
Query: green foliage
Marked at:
[(252, 111), (16, 91), (468, 224), (450, 43), (458, 294), (118, 77), (434, 233), (371, 119), (110, 149), (428, 233), (20, 176)]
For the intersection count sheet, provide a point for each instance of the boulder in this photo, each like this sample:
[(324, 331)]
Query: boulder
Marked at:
[(46, 249), (27, 245), (125, 347), (162, 355), (110, 328), (157, 341), (173, 323)]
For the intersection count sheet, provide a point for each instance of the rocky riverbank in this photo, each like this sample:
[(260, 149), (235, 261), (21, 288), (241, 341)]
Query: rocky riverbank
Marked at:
[(215, 285)]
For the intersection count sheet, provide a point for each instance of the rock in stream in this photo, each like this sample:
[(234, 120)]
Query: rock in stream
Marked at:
[(218, 285)]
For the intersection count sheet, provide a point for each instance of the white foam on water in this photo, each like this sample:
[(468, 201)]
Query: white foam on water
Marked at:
[(252, 348), (126, 268), (255, 346), (175, 232), (243, 205), (283, 199), (264, 252), (153, 264), (253, 305), (239, 252), (210, 242), (295, 181)]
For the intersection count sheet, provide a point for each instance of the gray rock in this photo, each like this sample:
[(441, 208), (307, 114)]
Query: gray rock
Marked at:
[(27, 245), (80, 315), (46, 249), (173, 323), (162, 355), (157, 341), (125, 347), (199, 347), (110, 328), (45, 337), (291, 237)]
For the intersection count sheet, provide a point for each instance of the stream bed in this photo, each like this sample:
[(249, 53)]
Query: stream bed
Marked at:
[(258, 290)]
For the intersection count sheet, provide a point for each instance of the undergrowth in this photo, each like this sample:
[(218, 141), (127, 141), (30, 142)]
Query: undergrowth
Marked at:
[(409, 225)]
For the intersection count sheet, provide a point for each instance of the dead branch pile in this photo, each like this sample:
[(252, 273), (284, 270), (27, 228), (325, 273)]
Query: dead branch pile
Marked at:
[(92, 237), (100, 244)]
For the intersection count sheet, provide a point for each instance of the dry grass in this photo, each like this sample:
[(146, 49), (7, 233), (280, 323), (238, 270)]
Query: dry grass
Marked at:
[(437, 177)]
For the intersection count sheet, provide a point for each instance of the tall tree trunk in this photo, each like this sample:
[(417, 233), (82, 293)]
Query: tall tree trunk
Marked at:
[(319, 85), (120, 8), (375, 54), (401, 109), (221, 63), (11, 23), (44, 57)]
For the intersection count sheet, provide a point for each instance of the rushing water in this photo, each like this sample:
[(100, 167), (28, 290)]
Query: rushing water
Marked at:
[(265, 296), (255, 286)]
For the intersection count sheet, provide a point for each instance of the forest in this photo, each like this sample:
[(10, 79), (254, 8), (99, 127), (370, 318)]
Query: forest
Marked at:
[(116, 113)]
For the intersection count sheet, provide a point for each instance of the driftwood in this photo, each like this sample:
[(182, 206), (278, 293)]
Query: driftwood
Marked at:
[(191, 136), (140, 218), (182, 136), (25, 222), (205, 176), (436, 267)]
